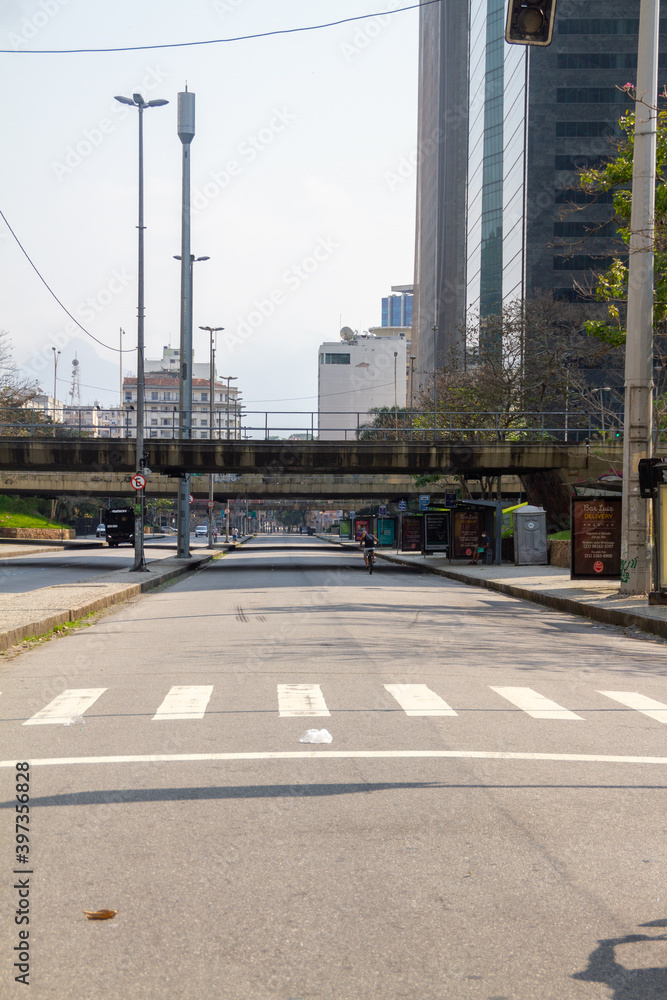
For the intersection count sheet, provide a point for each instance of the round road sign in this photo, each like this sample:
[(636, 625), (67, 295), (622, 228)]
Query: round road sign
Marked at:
[(138, 481), (211, 504), (598, 566), (191, 499)]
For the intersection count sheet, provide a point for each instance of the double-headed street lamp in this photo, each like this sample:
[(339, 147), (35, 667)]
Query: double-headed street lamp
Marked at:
[(138, 102)]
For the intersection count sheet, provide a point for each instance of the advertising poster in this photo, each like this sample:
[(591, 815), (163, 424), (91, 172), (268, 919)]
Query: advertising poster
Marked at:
[(345, 529), (436, 532), (468, 526), (411, 533), (596, 537), (361, 525), (386, 530)]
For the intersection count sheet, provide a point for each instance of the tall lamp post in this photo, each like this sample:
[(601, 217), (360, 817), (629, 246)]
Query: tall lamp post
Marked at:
[(138, 102), (228, 379), (211, 423), (601, 389), (186, 133), (413, 358), (56, 354), (435, 383)]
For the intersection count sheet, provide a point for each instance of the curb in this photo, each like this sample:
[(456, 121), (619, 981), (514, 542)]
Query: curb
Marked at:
[(10, 637)]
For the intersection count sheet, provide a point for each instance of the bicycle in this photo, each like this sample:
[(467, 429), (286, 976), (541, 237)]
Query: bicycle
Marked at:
[(371, 560)]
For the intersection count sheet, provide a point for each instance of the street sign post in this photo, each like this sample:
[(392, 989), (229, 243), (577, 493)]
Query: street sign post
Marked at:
[(424, 501), (138, 482)]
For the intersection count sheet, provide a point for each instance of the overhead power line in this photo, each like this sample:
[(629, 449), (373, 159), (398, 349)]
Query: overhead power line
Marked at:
[(221, 41)]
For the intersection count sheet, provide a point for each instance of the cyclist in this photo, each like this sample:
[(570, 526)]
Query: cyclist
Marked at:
[(367, 543)]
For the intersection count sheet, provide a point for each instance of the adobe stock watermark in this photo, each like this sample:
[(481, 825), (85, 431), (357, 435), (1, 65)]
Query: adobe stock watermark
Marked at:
[(367, 32), (247, 151), (291, 281), (225, 7), (31, 26), (86, 312), (92, 138)]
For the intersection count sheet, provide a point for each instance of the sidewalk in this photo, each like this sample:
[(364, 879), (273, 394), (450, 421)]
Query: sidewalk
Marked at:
[(548, 585), (23, 616)]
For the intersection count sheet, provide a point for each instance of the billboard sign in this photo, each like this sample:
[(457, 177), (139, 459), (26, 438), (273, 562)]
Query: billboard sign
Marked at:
[(468, 526), (436, 532), (596, 537), (386, 530), (361, 525), (412, 533)]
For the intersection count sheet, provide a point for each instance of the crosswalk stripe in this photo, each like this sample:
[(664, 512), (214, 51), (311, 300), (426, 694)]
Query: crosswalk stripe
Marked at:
[(73, 701), (534, 704), (304, 700), (185, 702), (640, 703), (417, 699)]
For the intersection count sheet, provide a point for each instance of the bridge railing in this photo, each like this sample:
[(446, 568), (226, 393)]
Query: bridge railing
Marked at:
[(307, 425)]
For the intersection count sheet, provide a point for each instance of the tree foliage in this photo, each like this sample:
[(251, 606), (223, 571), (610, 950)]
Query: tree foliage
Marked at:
[(611, 287)]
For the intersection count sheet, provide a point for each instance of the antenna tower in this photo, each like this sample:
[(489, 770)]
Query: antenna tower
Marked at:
[(75, 387)]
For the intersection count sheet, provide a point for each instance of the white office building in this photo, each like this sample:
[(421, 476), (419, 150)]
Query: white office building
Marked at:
[(355, 375)]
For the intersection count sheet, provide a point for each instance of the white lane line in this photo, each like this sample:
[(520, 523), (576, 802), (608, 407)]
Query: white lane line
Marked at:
[(534, 704), (185, 702), (640, 703), (74, 701), (417, 699), (301, 700), (342, 755)]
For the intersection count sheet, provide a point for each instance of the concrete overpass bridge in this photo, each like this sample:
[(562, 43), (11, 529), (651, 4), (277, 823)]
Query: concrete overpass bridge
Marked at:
[(292, 459)]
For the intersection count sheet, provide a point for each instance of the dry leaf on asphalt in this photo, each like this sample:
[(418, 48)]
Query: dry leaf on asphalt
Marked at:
[(100, 914)]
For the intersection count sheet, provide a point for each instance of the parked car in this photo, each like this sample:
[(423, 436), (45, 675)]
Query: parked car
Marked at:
[(201, 530), (101, 531)]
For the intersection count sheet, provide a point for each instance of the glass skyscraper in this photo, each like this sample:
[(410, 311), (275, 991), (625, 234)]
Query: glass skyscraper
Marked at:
[(498, 213)]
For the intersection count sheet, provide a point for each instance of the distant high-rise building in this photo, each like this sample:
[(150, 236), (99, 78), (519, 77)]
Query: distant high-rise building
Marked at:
[(503, 130), (397, 307)]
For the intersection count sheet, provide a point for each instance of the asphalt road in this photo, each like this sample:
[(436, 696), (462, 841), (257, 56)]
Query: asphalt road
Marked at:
[(21, 574), (488, 823)]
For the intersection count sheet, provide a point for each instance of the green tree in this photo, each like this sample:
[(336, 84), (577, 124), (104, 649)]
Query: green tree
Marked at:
[(611, 286)]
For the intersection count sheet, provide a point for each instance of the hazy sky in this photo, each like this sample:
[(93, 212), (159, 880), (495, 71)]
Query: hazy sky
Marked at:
[(302, 194)]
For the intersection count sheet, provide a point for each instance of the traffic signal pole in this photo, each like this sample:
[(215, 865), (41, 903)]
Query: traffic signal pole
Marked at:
[(636, 541)]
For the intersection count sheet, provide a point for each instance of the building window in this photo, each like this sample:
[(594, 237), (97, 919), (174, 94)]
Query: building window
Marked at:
[(203, 423), (154, 395), (579, 162), (128, 397), (591, 95), (154, 422), (153, 434), (586, 130), (583, 198), (204, 397), (166, 423), (336, 359), (589, 228), (581, 262)]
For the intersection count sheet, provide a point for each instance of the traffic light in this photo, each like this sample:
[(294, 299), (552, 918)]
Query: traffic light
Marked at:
[(530, 22), (652, 473)]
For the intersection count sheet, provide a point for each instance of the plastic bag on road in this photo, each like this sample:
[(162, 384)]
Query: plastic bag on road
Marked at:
[(76, 720), (316, 736)]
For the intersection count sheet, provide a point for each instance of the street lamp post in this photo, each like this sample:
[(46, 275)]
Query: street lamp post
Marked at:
[(601, 389), (186, 132), (228, 379), (56, 354), (138, 102), (211, 409), (435, 383)]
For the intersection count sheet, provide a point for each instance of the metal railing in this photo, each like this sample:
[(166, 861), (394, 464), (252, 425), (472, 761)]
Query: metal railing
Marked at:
[(308, 425)]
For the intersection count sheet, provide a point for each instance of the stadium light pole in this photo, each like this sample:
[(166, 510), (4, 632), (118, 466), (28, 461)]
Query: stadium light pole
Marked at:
[(140, 104)]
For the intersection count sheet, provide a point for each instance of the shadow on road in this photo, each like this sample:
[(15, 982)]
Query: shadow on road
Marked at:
[(627, 984)]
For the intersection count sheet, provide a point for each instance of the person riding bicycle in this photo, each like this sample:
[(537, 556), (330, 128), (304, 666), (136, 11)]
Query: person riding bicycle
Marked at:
[(367, 543)]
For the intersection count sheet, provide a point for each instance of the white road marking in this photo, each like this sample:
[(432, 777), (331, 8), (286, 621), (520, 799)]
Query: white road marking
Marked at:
[(74, 701), (301, 700), (534, 704), (640, 703), (185, 702), (417, 699), (342, 755)]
